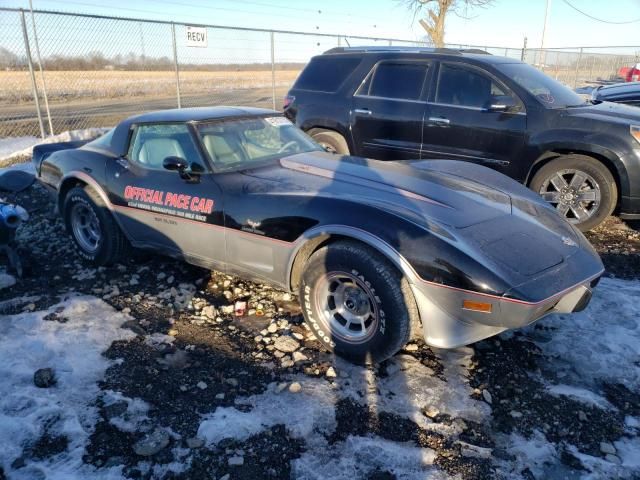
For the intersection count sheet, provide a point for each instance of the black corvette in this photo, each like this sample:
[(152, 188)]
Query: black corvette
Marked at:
[(374, 249)]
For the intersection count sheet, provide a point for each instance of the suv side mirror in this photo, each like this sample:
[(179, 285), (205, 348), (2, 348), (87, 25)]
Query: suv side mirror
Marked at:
[(502, 103)]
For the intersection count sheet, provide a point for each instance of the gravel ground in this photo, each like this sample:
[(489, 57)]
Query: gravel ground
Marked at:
[(197, 393)]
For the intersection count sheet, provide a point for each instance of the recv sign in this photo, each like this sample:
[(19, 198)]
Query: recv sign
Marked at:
[(196, 36)]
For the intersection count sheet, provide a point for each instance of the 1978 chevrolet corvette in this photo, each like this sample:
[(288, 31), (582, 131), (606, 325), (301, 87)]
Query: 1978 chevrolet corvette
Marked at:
[(373, 249)]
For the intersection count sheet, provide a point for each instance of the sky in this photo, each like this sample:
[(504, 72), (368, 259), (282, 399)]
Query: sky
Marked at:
[(505, 23)]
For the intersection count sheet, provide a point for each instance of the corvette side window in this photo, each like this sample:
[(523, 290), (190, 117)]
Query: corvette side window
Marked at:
[(151, 144)]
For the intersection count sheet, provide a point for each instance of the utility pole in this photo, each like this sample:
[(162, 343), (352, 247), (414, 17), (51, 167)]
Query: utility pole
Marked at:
[(546, 23)]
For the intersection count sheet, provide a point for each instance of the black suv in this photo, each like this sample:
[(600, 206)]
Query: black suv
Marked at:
[(581, 155)]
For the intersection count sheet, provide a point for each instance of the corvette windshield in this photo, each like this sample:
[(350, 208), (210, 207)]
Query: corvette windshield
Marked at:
[(245, 143), (549, 92)]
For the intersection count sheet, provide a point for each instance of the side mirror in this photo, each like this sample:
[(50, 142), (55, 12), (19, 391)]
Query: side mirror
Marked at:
[(502, 103), (175, 164)]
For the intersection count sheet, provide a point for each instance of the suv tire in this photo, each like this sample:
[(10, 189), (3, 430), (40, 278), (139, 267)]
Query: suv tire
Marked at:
[(356, 303), (566, 180), (332, 141), (92, 227)]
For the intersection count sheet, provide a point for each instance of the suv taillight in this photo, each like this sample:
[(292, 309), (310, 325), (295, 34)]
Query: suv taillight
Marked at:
[(288, 100)]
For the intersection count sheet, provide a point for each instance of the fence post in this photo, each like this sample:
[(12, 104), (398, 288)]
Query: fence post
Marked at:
[(27, 49), (175, 63), (575, 78), (273, 71), (44, 83), (524, 49)]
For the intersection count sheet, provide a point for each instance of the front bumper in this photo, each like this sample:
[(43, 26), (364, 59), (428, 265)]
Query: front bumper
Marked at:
[(446, 324)]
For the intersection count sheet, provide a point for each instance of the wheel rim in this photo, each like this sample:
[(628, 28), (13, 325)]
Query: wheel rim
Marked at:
[(575, 194), (86, 227), (329, 148), (347, 307)]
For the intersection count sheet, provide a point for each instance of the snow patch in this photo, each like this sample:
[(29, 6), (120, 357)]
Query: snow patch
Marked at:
[(358, 457), (73, 349), (18, 146), (6, 280), (581, 394)]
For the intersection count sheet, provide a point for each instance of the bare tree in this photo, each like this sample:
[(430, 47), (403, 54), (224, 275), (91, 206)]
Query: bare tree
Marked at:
[(435, 13)]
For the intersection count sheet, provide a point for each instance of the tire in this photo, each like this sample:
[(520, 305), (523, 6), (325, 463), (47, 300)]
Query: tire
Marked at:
[(374, 294), (332, 141), (598, 189), (99, 225)]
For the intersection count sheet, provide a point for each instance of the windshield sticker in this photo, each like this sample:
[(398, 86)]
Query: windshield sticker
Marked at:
[(169, 203), (278, 121)]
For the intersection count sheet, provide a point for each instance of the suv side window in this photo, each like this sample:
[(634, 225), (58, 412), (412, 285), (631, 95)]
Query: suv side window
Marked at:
[(151, 144), (326, 74), (395, 80), (467, 87)]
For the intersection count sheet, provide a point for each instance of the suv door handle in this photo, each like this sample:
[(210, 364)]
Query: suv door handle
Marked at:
[(442, 120), (366, 111)]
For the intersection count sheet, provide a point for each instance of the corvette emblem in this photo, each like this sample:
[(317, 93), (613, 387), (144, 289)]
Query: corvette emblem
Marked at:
[(253, 224), (569, 242)]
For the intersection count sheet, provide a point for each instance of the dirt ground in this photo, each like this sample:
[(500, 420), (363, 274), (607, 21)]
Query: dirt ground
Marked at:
[(210, 382)]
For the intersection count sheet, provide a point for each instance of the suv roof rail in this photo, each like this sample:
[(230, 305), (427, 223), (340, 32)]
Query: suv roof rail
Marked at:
[(374, 48)]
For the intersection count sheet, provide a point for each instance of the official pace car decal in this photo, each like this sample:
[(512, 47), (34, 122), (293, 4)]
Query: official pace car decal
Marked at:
[(169, 203)]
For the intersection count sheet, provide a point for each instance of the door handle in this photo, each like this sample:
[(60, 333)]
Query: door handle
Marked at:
[(366, 111), (444, 121)]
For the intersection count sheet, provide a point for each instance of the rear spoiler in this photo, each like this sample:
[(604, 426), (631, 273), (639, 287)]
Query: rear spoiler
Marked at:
[(42, 151)]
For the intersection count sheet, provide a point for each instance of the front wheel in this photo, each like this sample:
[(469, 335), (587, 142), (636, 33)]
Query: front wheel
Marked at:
[(331, 141), (581, 188), (356, 303)]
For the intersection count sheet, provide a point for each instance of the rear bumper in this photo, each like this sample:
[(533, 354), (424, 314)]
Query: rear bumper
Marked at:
[(446, 324)]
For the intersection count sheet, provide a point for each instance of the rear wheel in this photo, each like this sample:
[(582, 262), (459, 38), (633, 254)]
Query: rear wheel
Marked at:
[(92, 227), (331, 141), (581, 189), (356, 303)]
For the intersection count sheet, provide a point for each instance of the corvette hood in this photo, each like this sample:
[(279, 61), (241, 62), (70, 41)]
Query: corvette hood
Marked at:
[(438, 190)]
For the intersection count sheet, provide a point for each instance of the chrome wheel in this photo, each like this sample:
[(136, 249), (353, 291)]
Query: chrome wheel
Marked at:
[(347, 307), (574, 193), (86, 227)]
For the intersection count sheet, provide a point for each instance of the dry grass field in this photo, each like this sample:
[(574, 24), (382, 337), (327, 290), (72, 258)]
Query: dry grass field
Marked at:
[(15, 86)]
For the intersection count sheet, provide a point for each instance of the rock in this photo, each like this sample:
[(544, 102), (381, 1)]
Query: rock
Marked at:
[(226, 309), (613, 459), (411, 347), (210, 312), (44, 378), (195, 442), (606, 447), (231, 381), (295, 387), (225, 477), (582, 416), (280, 387), (431, 411), (474, 451), (286, 362), (273, 328), (201, 385), (170, 279), (286, 344), (236, 461), (298, 336), (220, 396), (152, 443), (331, 373), (299, 357), (487, 396), (514, 413)]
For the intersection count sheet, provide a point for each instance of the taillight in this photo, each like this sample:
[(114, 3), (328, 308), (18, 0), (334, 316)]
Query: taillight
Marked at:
[(288, 100)]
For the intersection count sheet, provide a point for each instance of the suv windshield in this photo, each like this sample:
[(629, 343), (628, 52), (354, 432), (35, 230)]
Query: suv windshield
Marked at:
[(246, 143), (549, 92)]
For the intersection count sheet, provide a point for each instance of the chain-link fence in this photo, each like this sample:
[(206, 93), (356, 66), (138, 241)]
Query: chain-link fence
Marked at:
[(62, 71)]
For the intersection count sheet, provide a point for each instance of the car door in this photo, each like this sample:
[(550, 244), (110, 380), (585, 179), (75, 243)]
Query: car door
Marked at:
[(463, 125), (388, 110), (179, 213)]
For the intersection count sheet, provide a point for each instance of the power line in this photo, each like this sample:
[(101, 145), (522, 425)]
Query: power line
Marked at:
[(599, 19)]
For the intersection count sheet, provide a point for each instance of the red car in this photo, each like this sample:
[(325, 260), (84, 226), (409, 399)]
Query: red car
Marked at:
[(630, 74)]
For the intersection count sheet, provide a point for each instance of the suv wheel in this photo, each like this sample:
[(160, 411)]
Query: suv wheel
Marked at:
[(580, 187), (356, 303), (92, 227), (331, 141)]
